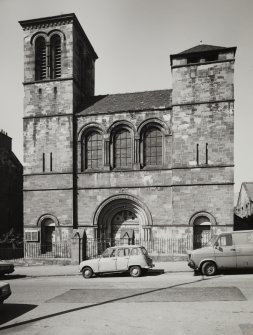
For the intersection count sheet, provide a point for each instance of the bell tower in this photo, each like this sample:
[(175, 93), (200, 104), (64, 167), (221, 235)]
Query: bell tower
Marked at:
[(203, 133), (59, 70)]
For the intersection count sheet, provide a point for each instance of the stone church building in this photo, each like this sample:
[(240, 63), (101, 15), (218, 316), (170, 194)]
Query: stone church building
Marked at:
[(146, 165)]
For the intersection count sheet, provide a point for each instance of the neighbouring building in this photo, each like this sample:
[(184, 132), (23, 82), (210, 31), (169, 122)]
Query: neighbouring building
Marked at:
[(144, 165), (244, 207), (11, 189)]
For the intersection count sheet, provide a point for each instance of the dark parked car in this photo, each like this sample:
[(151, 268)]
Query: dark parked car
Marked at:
[(6, 267), (5, 291)]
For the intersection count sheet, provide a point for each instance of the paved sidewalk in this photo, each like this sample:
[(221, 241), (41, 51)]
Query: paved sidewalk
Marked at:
[(73, 270)]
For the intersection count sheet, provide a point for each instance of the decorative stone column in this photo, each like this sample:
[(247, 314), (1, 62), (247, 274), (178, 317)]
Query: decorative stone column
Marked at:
[(136, 153), (107, 166)]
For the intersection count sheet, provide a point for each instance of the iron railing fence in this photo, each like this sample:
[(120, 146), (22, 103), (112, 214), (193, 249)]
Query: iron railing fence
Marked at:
[(91, 248), (36, 250), (155, 246), (52, 250)]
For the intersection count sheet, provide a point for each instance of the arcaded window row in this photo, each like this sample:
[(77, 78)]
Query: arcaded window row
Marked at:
[(122, 150)]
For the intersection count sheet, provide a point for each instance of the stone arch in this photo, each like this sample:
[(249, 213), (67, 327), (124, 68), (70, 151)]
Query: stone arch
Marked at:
[(57, 32), (121, 204), (201, 223), (121, 124), (210, 217), (47, 36), (45, 217), (154, 122), (37, 35), (89, 127)]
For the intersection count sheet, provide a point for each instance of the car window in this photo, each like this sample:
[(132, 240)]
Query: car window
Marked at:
[(120, 252), (225, 240), (108, 253), (135, 251), (144, 251)]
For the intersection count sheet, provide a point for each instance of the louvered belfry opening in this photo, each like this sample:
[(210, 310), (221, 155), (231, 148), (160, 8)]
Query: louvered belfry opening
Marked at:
[(40, 59), (55, 57)]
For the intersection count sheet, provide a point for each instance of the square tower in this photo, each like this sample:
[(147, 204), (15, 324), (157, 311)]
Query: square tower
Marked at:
[(59, 69), (203, 136)]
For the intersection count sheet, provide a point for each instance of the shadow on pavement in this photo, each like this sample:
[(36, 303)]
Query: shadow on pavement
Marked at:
[(10, 277), (21, 323), (9, 312), (150, 272)]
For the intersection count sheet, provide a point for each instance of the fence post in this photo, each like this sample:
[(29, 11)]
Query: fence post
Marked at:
[(75, 249)]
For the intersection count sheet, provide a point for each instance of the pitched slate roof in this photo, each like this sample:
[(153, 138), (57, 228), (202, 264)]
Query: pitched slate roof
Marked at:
[(138, 101), (201, 48)]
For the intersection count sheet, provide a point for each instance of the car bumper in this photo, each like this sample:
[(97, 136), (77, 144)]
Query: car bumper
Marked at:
[(192, 265)]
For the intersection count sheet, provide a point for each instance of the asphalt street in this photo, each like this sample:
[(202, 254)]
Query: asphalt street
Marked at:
[(168, 303)]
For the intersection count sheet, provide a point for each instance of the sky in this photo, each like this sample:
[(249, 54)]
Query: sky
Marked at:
[(134, 39)]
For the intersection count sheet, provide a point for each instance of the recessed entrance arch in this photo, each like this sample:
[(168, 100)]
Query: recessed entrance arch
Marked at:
[(201, 223), (47, 223), (122, 217)]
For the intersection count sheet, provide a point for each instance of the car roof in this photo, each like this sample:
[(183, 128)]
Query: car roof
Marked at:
[(126, 246)]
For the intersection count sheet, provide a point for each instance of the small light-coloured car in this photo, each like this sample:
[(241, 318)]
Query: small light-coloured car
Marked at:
[(123, 258), (6, 267), (5, 291)]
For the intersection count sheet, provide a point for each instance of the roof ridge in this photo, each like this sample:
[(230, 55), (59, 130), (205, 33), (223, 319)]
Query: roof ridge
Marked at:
[(137, 92)]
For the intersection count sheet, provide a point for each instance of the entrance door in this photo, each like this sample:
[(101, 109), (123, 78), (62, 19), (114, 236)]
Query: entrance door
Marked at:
[(201, 235), (123, 222)]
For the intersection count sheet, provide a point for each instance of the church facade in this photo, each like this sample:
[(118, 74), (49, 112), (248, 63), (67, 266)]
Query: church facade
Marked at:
[(155, 164)]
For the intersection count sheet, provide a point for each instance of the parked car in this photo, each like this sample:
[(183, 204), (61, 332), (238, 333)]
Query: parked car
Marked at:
[(6, 267), (232, 250), (5, 291), (123, 258)]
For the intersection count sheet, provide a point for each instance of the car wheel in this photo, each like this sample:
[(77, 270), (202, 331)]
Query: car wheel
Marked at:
[(135, 271), (209, 269), (87, 273)]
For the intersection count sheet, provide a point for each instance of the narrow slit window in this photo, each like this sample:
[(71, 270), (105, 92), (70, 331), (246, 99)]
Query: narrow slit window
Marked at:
[(55, 57), (51, 161), (40, 59), (43, 162), (197, 154), (206, 153)]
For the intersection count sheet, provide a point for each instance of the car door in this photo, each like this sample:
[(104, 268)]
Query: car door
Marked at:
[(244, 249), (122, 258), (107, 262), (224, 252)]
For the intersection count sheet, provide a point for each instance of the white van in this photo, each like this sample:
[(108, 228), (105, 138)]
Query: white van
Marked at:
[(232, 250)]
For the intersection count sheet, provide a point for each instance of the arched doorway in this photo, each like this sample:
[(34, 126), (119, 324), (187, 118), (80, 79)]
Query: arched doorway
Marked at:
[(121, 218), (47, 225), (201, 223)]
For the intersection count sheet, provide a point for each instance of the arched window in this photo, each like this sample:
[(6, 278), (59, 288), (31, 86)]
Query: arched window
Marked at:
[(93, 150), (40, 59), (152, 147), (122, 151), (55, 57)]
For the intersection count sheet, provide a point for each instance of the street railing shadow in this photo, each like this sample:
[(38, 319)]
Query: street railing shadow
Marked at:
[(17, 324), (9, 312)]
